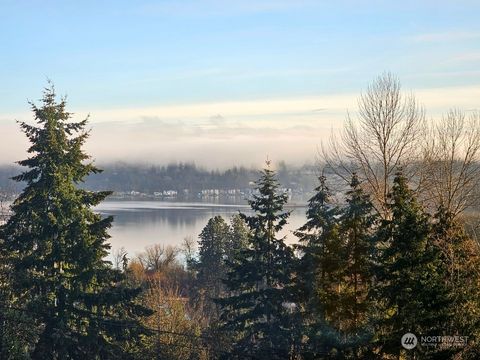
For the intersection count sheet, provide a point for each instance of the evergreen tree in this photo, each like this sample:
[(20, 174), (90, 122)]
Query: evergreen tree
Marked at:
[(318, 273), (354, 308), (257, 312), (239, 234), (409, 289), (55, 248), (211, 266), (460, 268), (219, 246), (15, 325)]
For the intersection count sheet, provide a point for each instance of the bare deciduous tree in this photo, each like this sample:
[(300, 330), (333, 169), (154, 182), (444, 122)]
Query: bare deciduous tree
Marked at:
[(120, 259), (158, 257), (3, 208), (6, 195), (452, 162), (383, 137), (177, 323), (188, 250)]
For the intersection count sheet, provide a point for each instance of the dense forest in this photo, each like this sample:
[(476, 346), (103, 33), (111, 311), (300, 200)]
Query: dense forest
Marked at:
[(389, 272)]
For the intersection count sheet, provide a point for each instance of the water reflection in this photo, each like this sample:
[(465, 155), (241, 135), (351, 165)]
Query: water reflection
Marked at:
[(139, 224)]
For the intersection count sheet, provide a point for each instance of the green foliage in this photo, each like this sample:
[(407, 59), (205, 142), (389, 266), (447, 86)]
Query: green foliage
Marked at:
[(318, 271), (256, 313), (354, 310), (239, 234), (212, 267), (219, 244), (334, 273), (410, 293), (460, 269), (55, 247)]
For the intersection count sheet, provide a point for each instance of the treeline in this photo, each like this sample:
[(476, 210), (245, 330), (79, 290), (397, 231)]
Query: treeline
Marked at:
[(188, 176), (148, 179), (178, 177)]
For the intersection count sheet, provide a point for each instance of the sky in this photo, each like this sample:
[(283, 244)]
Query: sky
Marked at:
[(224, 82)]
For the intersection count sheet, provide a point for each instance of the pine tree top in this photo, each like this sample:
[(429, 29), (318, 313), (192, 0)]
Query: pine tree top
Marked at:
[(268, 203), (320, 212)]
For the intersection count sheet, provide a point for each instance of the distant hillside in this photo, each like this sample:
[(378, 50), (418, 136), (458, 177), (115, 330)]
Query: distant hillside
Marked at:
[(122, 177)]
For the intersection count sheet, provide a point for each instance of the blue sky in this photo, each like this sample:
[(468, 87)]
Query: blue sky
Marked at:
[(166, 79)]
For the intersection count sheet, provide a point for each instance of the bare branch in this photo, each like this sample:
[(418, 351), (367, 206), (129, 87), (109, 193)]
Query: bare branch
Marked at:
[(384, 136), (452, 158)]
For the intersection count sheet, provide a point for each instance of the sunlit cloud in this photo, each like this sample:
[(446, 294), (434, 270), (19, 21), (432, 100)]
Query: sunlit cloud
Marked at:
[(228, 109), (224, 133), (438, 100)]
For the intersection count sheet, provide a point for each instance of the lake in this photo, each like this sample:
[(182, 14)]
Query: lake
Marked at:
[(138, 224)]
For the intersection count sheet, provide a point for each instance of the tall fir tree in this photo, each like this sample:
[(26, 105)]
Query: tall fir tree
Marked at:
[(409, 289), (15, 324), (239, 234), (211, 266), (257, 313), (460, 269), (357, 223), (318, 273), (219, 246), (55, 248)]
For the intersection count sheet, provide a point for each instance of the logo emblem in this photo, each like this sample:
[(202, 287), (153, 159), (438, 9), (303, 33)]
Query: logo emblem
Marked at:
[(409, 341)]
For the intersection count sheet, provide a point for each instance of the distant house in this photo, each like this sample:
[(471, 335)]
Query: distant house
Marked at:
[(170, 193)]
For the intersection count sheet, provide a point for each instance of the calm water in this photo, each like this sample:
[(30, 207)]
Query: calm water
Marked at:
[(139, 224)]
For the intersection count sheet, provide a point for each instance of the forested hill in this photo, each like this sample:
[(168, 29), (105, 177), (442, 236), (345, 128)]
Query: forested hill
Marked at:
[(123, 177)]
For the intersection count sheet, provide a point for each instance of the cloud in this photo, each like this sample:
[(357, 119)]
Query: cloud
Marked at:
[(329, 109), (224, 133), (445, 36), (438, 100), (466, 57), (210, 129), (217, 120), (229, 109)]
